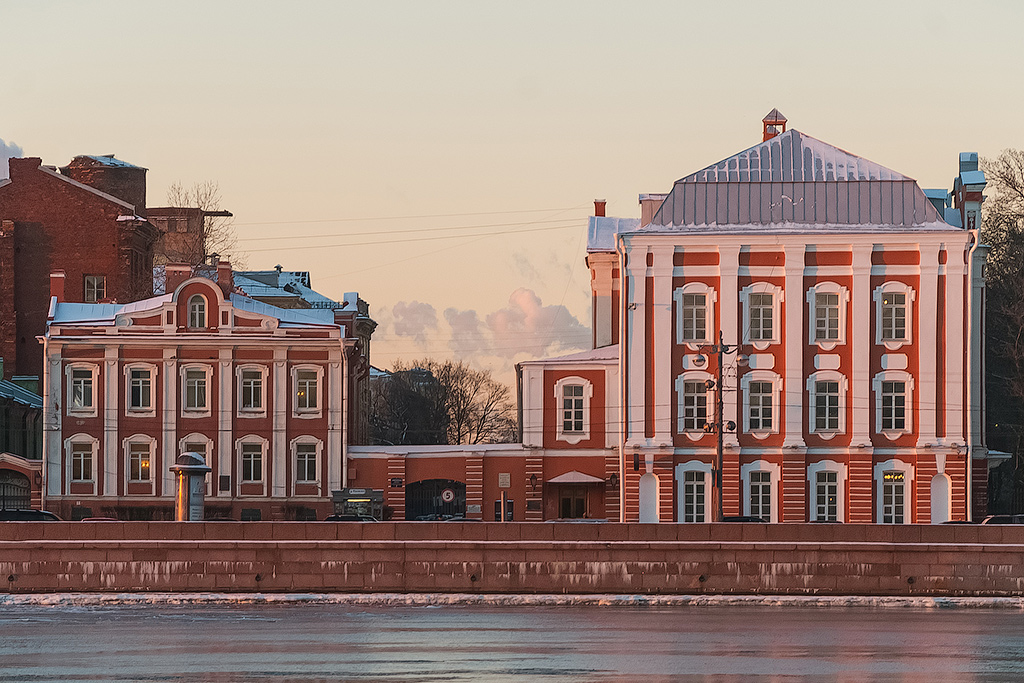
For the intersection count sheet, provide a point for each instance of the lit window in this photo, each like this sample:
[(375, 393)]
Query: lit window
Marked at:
[(693, 496), (305, 463), (140, 389), (138, 462), (95, 288), (197, 311), (761, 494), (892, 497), (252, 463), (81, 462), (893, 310), (694, 410), (195, 390), (306, 390), (252, 390)]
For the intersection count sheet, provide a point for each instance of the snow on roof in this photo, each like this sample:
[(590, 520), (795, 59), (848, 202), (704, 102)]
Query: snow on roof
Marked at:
[(283, 283), (973, 178), (106, 160), (287, 316), (605, 353), (601, 231)]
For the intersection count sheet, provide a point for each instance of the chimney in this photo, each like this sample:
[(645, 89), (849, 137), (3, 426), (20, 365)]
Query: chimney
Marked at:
[(224, 277), (772, 122), (176, 274), (599, 207), (57, 284), (18, 167)]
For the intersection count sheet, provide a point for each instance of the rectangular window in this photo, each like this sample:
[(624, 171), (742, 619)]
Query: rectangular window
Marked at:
[(572, 408), (894, 405), (140, 390), (761, 495), (760, 394), (81, 390), (305, 463), (195, 390), (694, 317), (826, 317), (95, 288), (761, 323), (894, 316), (138, 462), (252, 390), (827, 497), (196, 447), (826, 406), (695, 406), (892, 497), (81, 462), (305, 390), (252, 463), (693, 496)]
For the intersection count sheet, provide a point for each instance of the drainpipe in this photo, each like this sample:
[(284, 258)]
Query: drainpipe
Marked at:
[(976, 234), (624, 283)]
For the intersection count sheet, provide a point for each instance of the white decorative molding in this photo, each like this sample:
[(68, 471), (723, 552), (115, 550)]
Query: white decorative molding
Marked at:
[(894, 361), (827, 361), (776, 476)]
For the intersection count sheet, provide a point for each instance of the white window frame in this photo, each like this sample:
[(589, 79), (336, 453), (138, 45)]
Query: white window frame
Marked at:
[(264, 445), (239, 375), (69, 374), (844, 300), (94, 447), (710, 299), (897, 465), (812, 477), (776, 476), (293, 448), (208, 371), (776, 382), (126, 447), (709, 487), (192, 312), (572, 437), (681, 380), (154, 390), (307, 413), (908, 402), (97, 293), (812, 402), (894, 287), (778, 296)]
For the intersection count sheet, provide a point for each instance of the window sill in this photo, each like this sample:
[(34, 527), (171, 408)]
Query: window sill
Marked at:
[(572, 438), (828, 435), (894, 434)]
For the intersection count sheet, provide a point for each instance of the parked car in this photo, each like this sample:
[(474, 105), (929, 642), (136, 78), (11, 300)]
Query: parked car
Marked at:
[(744, 518), (28, 516), (349, 518), (1003, 519)]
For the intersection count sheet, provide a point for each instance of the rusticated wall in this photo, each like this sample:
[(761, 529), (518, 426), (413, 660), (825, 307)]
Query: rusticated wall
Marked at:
[(809, 559)]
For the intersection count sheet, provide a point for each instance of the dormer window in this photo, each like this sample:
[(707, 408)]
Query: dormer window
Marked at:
[(197, 312)]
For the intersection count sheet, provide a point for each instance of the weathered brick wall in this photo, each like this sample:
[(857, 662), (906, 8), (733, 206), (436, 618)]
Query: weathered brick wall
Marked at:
[(511, 558)]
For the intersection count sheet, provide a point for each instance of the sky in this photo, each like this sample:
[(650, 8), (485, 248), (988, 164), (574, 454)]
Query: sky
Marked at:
[(441, 158)]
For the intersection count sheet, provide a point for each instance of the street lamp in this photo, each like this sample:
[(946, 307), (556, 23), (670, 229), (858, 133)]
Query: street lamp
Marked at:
[(720, 349)]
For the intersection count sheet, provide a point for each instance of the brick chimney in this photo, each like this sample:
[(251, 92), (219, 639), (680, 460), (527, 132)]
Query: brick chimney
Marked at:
[(225, 279), (56, 282), (20, 167), (599, 207), (774, 124), (176, 273)]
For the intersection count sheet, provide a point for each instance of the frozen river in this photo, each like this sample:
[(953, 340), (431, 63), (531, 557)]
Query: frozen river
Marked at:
[(300, 642)]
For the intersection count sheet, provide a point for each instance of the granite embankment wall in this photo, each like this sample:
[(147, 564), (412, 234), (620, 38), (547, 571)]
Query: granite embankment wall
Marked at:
[(792, 559)]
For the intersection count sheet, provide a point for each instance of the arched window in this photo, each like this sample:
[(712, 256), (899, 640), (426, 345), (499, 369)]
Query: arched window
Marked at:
[(572, 396), (197, 311)]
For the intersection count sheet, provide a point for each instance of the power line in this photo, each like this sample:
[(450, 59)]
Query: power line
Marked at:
[(411, 217)]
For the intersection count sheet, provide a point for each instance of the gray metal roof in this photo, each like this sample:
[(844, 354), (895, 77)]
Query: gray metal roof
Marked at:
[(795, 178)]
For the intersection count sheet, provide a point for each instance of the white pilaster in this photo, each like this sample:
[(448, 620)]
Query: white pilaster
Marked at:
[(729, 324), (168, 444), (282, 408), (225, 419), (793, 390), (955, 271), (114, 380), (53, 443), (663, 341), (635, 345), (337, 389), (928, 308), (860, 352)]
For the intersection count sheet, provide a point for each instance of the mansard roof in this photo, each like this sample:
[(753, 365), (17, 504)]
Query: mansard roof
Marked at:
[(795, 178)]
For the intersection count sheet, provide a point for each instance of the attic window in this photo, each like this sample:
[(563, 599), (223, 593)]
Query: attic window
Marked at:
[(95, 288), (197, 312)]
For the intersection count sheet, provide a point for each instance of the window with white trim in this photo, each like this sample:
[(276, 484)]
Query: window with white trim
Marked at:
[(82, 462), (306, 460), (197, 311), (694, 493), (140, 390), (251, 381), (139, 461), (692, 391), (252, 463), (827, 479), (694, 313), (761, 390), (759, 482), (95, 288), (893, 314), (828, 304), (761, 314), (307, 382), (894, 481), (827, 390), (195, 443), (195, 389), (760, 491), (893, 401), (572, 395), (81, 383)]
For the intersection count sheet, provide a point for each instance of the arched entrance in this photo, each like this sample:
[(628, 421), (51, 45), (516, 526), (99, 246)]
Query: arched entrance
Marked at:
[(15, 490), (433, 498), (940, 498)]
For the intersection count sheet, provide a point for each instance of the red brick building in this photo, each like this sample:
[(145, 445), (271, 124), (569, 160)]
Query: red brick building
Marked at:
[(263, 393), (88, 220)]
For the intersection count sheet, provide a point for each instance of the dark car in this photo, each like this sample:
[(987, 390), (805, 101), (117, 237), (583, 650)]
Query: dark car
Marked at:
[(1003, 519), (744, 518), (28, 516), (349, 518)]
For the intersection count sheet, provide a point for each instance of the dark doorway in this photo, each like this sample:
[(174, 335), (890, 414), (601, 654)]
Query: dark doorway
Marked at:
[(435, 498), (572, 502), (15, 491)]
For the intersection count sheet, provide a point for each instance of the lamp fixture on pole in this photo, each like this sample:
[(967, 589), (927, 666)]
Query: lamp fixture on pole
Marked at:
[(718, 426)]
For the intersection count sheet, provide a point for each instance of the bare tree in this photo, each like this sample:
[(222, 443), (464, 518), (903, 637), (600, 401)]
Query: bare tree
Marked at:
[(451, 402), (213, 231)]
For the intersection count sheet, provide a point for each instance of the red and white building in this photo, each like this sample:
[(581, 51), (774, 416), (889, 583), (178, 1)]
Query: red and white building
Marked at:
[(264, 393), (851, 307)]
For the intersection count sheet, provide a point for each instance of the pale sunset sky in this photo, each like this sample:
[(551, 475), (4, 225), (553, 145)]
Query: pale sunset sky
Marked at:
[(441, 158)]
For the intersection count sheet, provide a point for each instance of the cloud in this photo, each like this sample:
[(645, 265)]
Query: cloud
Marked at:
[(527, 326), (413, 319), (7, 150), (467, 333)]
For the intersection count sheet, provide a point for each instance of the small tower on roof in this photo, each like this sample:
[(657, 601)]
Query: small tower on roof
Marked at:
[(774, 124)]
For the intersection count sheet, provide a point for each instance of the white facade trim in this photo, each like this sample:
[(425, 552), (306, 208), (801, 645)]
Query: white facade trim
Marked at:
[(776, 476), (572, 437)]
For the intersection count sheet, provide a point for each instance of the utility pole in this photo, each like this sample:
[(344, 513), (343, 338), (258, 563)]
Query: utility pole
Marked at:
[(720, 349)]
